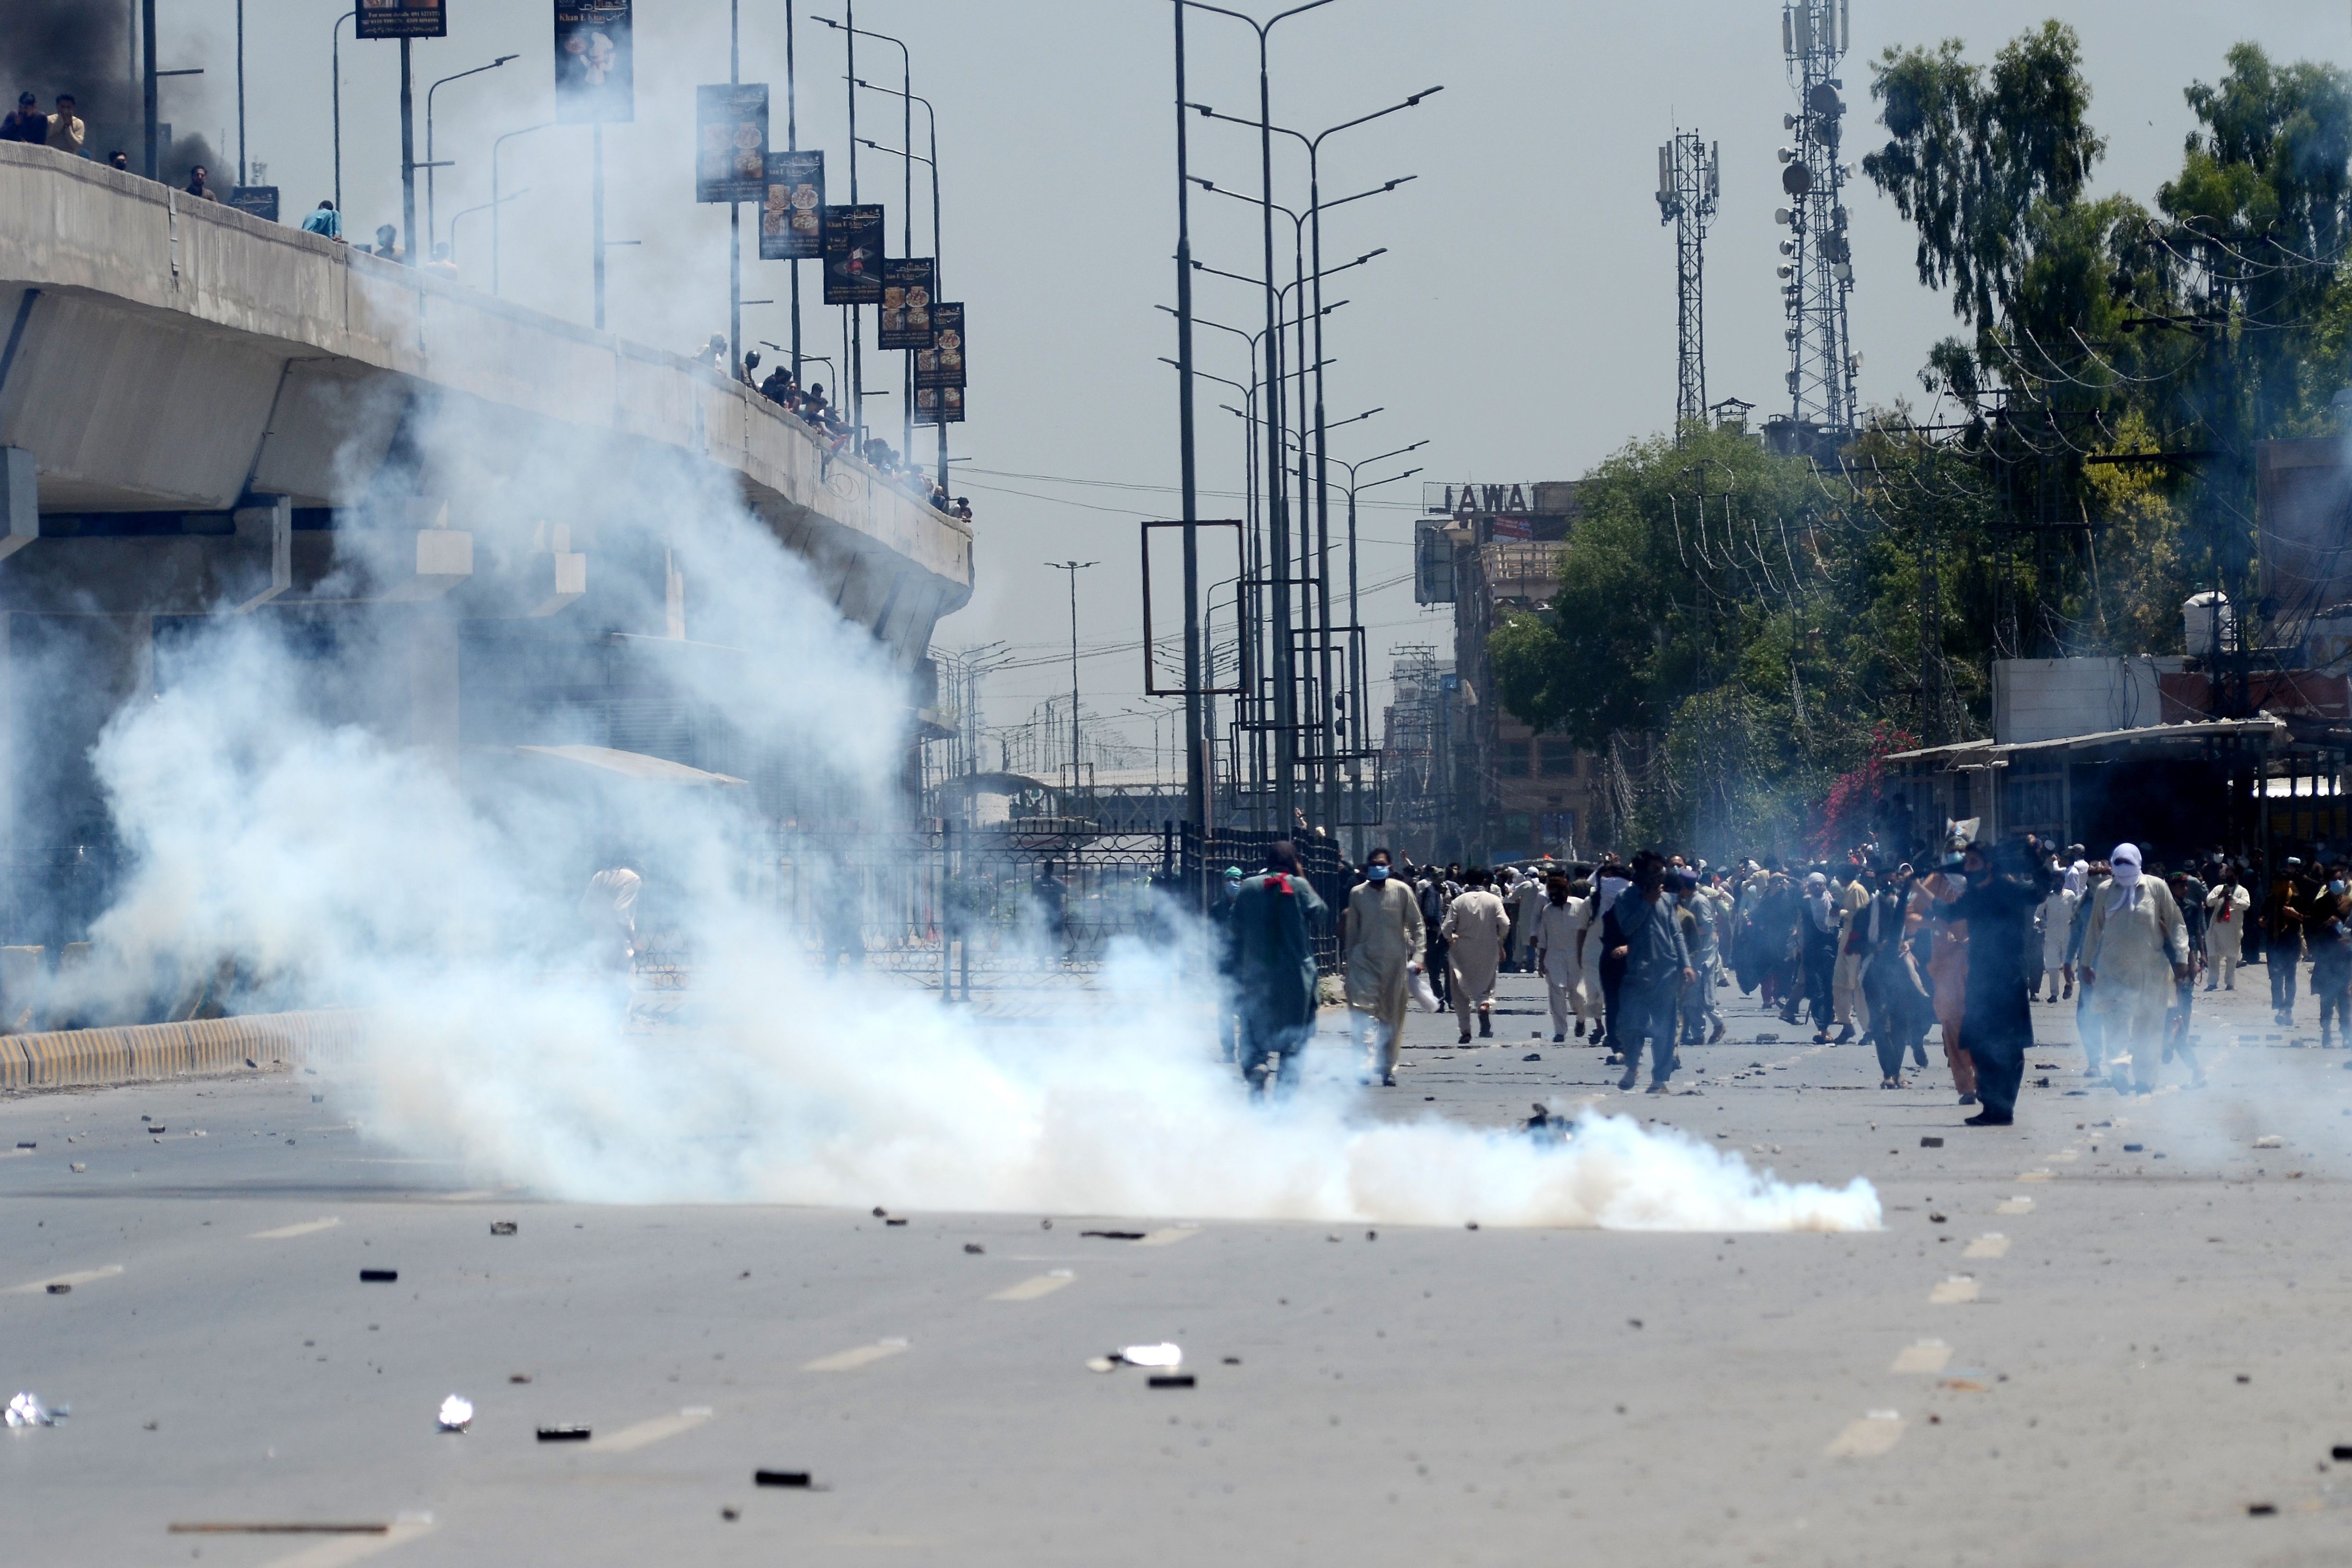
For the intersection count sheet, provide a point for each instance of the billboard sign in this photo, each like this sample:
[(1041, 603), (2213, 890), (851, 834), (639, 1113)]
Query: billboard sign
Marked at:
[(939, 405), (401, 19), (261, 201), (853, 254), (942, 365), (595, 63), (908, 283), (792, 220), (731, 158)]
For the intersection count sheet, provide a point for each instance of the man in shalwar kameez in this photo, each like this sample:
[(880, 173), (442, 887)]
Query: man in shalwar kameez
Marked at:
[(1477, 928), (2135, 952), (1384, 935)]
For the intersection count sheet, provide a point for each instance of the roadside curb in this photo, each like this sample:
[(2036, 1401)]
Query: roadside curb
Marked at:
[(139, 1053)]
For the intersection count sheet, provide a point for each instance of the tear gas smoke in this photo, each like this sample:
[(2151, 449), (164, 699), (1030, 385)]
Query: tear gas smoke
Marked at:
[(82, 46), (268, 810)]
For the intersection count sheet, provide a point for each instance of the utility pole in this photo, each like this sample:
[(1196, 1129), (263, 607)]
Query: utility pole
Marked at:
[(735, 210), (1196, 786), (792, 144), (1073, 568), (1819, 272), (1689, 181), (408, 159), (147, 84)]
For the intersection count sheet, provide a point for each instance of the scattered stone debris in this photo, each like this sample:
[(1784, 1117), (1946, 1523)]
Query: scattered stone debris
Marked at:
[(1171, 1380), (60, 1287), (880, 1213), (1931, 1142), (378, 1276), (503, 1227), (1936, 1219), (1470, 1225), (1101, 1363), (2134, 1148), (2262, 1510), (77, 1168), (2270, 1141), (518, 1377), (1115, 1234), (564, 1434), (974, 1248), (1532, 1056), (1236, 1360), (1161, 1355), (798, 1479), (1044, 1224), (729, 1514), (895, 1219), (457, 1414)]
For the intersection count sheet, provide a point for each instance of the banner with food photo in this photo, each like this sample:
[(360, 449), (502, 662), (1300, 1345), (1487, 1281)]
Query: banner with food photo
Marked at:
[(939, 405), (731, 162), (942, 365), (792, 220), (908, 283), (853, 254), (595, 63)]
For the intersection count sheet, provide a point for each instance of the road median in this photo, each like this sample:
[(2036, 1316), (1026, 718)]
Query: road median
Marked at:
[(202, 1048)]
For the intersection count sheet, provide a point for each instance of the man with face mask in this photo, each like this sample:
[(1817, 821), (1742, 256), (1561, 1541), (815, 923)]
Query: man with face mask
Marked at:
[(2226, 909), (2327, 927), (1382, 938), (2135, 952)]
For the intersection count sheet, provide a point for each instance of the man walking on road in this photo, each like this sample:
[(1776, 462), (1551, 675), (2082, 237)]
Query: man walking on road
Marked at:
[(1997, 1024), (2135, 952), (1274, 917), (1558, 944), (1642, 933), (1477, 929), (1383, 938)]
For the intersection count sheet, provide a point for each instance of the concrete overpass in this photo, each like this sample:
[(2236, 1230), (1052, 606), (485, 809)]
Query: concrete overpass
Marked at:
[(203, 414)]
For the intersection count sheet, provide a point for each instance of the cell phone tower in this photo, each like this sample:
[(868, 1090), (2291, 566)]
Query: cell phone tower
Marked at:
[(1817, 270), (1689, 181)]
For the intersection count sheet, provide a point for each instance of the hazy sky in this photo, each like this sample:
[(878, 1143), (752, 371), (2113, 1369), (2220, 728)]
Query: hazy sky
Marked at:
[(1522, 321)]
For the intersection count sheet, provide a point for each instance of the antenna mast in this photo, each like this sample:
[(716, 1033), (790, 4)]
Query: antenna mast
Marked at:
[(1689, 181), (1818, 272)]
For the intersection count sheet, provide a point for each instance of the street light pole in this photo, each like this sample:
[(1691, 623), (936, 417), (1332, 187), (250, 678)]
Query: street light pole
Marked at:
[(494, 199), (1286, 738), (240, 93), (1358, 711), (1073, 568), (735, 210), (147, 80), (1196, 787), (906, 218), (335, 64), (792, 144), (408, 156), (938, 267), (432, 231)]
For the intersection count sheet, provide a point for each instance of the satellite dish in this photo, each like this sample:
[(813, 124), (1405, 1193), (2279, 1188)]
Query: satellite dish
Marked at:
[(1797, 179), (1823, 100)]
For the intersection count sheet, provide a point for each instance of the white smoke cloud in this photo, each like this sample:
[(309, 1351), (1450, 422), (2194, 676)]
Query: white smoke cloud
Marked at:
[(271, 811)]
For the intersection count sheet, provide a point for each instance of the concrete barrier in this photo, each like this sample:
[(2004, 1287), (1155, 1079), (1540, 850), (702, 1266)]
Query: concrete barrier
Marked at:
[(141, 1053)]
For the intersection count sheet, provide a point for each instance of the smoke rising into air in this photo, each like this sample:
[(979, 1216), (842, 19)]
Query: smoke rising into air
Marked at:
[(275, 807)]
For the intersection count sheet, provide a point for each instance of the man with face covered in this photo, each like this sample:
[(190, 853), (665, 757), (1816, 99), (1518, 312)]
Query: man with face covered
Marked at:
[(1642, 935), (2135, 952), (1383, 937), (1996, 895)]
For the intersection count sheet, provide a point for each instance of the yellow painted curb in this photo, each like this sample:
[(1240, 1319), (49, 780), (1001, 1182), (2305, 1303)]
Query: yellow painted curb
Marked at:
[(137, 1053)]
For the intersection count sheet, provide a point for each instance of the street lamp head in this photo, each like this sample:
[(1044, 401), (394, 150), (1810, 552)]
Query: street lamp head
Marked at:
[(504, 58), (1204, 184), (1424, 93)]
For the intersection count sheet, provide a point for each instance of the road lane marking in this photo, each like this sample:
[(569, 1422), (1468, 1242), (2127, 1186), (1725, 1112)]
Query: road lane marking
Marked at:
[(2064, 1155), (1170, 1236), (1926, 1356), (645, 1434), (285, 1231), (2033, 1176), (349, 1548), (84, 1277), (2020, 1205), (1991, 1243), (849, 1361), (1031, 1288), (1868, 1437), (1953, 1291), (17, 1153)]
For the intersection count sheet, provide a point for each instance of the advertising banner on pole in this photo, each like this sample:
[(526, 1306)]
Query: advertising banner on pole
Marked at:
[(853, 254), (907, 284), (792, 220), (595, 63), (731, 157), (401, 19), (939, 369)]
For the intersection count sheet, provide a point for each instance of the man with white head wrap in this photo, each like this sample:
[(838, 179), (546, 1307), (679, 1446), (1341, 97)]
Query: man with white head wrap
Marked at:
[(2135, 952)]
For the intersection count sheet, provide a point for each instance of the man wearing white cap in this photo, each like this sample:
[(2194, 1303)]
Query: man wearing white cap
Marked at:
[(2135, 952)]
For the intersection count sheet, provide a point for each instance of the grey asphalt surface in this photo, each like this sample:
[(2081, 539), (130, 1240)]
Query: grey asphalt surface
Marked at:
[(2077, 1353)]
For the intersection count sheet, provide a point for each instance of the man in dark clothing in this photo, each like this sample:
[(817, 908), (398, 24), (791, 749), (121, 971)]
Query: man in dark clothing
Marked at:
[(2283, 938), (1819, 951), (1641, 933), (1894, 979), (27, 123), (2002, 890), (1274, 917), (1434, 903)]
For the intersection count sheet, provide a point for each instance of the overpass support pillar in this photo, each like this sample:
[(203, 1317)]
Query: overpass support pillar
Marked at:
[(20, 502)]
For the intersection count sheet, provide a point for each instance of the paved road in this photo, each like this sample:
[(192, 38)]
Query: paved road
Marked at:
[(2062, 1349)]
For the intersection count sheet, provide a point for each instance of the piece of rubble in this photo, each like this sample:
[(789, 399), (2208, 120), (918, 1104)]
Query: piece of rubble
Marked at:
[(60, 1287), (795, 1478), (457, 1414), (378, 1276), (1171, 1380), (895, 1219), (974, 1248), (503, 1227), (2270, 1141), (1931, 1142), (27, 1410), (1115, 1234), (564, 1434), (1161, 1355)]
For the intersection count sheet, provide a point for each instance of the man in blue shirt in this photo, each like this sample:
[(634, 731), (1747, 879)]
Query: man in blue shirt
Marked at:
[(1641, 932), (324, 220)]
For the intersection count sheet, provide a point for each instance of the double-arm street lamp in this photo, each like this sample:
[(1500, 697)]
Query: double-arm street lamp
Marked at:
[(1358, 677), (431, 233), (938, 267), (496, 200)]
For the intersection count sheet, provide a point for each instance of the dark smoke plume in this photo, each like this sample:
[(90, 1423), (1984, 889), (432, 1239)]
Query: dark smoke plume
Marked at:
[(83, 48)]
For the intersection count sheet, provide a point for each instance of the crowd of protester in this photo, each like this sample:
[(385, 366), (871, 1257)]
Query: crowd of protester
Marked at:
[(1645, 954)]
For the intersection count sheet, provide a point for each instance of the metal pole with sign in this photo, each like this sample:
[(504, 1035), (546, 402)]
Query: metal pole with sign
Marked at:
[(596, 83), (406, 20)]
